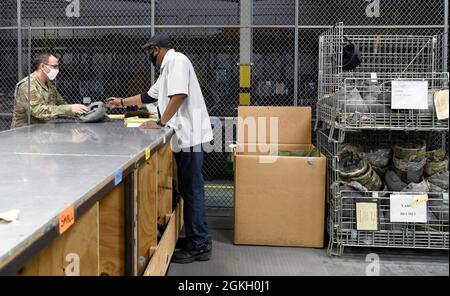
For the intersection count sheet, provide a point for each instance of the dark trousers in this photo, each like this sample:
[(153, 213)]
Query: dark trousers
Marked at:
[(192, 190)]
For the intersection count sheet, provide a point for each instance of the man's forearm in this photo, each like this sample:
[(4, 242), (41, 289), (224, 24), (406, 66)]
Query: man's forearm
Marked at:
[(172, 108), (132, 101)]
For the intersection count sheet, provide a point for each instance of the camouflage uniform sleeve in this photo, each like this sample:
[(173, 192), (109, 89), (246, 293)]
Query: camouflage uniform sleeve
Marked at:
[(59, 98), (40, 109), (21, 106)]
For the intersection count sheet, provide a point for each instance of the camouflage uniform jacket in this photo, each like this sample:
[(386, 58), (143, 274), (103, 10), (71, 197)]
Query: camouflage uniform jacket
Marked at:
[(42, 100)]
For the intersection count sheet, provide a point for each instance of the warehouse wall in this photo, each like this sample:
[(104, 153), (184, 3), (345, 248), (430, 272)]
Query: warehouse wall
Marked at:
[(100, 45)]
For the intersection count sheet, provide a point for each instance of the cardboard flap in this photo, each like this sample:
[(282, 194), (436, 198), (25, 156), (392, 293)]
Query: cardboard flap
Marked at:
[(291, 125)]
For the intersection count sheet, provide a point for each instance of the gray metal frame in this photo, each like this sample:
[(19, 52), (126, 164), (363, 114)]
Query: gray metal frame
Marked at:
[(341, 219), (390, 57)]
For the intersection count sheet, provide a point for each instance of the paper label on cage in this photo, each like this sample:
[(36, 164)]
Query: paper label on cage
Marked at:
[(366, 216), (402, 209), (410, 95), (441, 104), (445, 196)]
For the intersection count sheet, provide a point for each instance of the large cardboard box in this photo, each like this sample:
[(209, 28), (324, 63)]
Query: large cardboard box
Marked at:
[(279, 200)]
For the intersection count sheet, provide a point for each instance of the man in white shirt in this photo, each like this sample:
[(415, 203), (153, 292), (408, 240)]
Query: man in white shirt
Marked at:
[(181, 103)]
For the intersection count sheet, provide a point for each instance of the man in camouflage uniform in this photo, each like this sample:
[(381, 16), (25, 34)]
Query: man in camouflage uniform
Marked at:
[(38, 97)]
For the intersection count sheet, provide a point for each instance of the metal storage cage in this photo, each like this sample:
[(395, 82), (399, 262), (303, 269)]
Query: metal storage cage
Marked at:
[(355, 116), (361, 99), (342, 215)]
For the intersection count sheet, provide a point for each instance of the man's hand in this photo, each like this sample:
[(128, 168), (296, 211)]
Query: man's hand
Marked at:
[(114, 102), (150, 125), (79, 109)]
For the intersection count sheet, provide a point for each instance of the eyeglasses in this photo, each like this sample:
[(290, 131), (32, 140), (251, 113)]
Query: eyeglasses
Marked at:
[(53, 66)]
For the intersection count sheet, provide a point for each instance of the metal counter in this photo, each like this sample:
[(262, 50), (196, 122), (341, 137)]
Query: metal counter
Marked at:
[(45, 168)]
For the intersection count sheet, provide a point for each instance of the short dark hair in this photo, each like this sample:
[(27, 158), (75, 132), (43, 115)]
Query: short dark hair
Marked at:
[(42, 58)]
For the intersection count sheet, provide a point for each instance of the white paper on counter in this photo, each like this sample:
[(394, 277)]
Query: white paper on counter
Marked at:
[(9, 216), (134, 124), (409, 95)]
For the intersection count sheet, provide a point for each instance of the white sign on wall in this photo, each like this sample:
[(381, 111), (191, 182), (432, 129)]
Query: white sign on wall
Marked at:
[(410, 95), (409, 208)]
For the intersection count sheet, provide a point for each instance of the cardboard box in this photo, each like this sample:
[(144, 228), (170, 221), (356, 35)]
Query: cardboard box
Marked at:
[(279, 201)]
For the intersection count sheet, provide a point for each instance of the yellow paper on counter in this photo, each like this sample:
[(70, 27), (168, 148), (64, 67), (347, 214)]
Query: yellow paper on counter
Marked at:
[(366, 216), (116, 116), (441, 104)]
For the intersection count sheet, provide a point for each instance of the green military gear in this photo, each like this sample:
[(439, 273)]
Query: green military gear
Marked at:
[(370, 180), (351, 165), (353, 168), (96, 113), (434, 167), (380, 171), (42, 102), (313, 152), (440, 180), (436, 155), (410, 151), (417, 187), (409, 171), (379, 158), (393, 181)]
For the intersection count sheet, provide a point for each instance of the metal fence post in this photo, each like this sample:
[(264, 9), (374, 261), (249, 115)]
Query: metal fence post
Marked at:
[(29, 73), (245, 51), (19, 40), (152, 32), (296, 54), (446, 36)]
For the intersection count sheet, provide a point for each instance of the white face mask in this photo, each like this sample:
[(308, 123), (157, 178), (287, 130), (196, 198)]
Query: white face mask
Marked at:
[(52, 73)]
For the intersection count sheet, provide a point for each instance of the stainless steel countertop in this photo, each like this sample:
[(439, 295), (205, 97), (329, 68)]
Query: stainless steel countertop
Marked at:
[(109, 138), (45, 168)]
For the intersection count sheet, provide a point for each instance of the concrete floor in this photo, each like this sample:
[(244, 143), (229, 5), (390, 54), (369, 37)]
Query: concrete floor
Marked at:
[(231, 260)]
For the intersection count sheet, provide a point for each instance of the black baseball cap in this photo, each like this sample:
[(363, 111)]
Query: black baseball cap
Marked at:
[(160, 41)]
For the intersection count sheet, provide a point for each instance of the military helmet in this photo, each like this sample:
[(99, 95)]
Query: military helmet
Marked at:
[(96, 113)]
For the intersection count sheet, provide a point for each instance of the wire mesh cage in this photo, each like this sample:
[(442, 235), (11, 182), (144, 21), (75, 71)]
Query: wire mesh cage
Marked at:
[(344, 195), (432, 234), (358, 95), (366, 103)]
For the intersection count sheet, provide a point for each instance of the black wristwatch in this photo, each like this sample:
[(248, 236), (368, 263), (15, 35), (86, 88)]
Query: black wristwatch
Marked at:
[(121, 102), (158, 122)]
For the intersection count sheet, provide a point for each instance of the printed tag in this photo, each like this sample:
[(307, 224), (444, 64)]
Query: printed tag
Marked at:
[(402, 210), (147, 153), (118, 177), (66, 219)]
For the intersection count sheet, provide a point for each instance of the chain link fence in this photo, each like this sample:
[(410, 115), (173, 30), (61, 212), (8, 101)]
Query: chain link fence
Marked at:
[(99, 42)]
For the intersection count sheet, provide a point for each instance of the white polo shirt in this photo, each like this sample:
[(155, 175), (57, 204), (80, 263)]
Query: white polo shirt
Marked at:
[(191, 122)]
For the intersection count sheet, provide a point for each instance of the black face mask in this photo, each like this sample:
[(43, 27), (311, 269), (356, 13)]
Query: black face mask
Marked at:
[(153, 59)]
